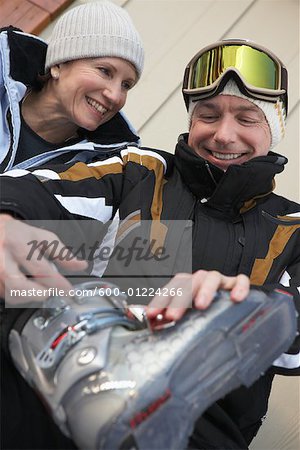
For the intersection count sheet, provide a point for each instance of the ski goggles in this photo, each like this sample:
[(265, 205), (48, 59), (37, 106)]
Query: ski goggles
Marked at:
[(258, 72)]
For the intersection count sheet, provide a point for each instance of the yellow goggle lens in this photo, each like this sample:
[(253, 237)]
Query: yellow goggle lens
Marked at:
[(257, 68)]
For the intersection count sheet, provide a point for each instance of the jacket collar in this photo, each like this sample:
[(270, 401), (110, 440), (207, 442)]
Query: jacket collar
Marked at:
[(234, 191)]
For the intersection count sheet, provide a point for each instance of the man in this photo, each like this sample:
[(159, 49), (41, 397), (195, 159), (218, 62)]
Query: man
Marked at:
[(221, 178)]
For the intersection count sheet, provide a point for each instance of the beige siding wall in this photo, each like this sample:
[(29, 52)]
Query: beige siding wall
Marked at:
[(173, 30)]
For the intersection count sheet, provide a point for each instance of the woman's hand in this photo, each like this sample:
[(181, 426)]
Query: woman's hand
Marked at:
[(196, 290), (20, 270)]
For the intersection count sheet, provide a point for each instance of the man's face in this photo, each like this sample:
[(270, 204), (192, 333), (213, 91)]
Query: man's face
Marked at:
[(228, 130)]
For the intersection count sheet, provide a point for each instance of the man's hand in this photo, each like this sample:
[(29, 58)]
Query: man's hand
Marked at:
[(15, 263), (196, 290)]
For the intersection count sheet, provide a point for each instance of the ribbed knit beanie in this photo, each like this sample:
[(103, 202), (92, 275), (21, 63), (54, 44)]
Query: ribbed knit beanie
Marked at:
[(93, 30), (274, 112)]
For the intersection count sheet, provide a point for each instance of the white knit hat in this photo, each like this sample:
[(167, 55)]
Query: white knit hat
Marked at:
[(93, 30), (274, 112)]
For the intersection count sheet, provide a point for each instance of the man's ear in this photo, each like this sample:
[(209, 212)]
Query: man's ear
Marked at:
[(191, 111)]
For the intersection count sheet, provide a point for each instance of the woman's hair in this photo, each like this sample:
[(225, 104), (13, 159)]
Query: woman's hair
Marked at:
[(41, 80)]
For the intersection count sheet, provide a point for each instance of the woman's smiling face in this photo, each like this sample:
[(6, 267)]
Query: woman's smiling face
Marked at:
[(91, 91)]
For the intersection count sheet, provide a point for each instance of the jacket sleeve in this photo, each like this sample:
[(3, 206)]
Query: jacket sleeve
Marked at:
[(64, 192), (79, 190), (277, 265), (289, 362)]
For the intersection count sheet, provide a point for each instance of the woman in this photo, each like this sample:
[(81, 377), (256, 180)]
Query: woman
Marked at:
[(94, 57)]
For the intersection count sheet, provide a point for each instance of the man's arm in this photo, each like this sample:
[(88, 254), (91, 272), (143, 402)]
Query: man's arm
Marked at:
[(196, 290), (289, 363), (203, 285)]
